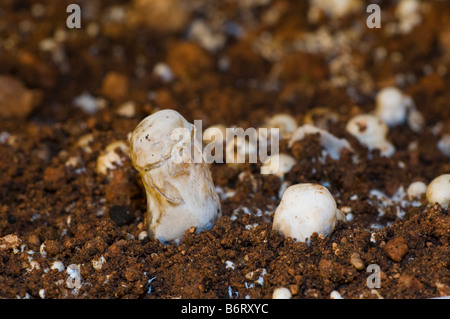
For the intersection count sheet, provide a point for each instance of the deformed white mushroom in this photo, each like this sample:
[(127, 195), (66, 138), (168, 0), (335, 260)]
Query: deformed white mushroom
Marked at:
[(305, 209), (180, 191)]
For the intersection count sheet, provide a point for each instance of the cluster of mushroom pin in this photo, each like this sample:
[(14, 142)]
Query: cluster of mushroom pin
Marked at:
[(181, 193)]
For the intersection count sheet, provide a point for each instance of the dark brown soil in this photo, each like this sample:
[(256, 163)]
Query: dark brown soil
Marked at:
[(55, 206)]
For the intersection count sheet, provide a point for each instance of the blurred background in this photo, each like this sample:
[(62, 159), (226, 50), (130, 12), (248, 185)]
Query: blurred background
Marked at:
[(224, 61)]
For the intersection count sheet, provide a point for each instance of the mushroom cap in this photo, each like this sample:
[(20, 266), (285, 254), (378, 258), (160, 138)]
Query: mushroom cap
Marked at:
[(151, 142)]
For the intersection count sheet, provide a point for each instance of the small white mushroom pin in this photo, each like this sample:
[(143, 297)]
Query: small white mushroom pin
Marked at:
[(180, 191)]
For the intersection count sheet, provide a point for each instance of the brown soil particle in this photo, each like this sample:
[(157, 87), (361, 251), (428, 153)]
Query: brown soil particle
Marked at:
[(69, 231), (15, 99), (115, 86), (396, 249)]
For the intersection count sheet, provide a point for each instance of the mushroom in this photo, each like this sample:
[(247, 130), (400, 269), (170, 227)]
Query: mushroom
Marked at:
[(371, 132), (438, 191), (306, 209), (332, 144), (416, 189), (278, 164), (178, 184), (395, 108), (285, 122)]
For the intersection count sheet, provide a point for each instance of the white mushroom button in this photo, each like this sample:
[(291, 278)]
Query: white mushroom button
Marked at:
[(306, 209), (438, 191), (281, 293), (395, 108), (371, 132), (285, 122), (179, 188), (335, 295), (278, 164), (110, 159), (57, 265), (416, 189)]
